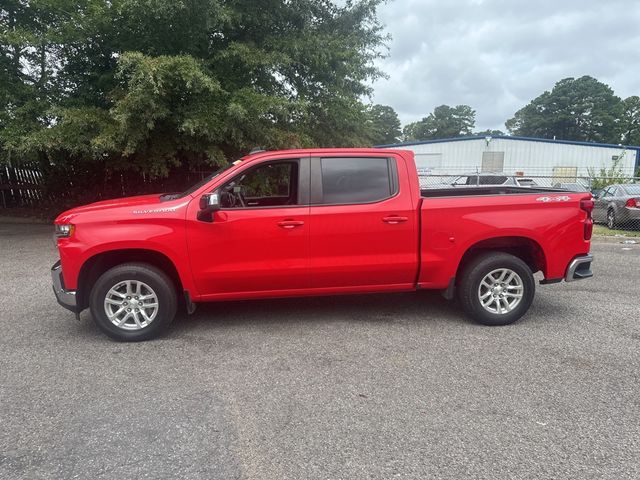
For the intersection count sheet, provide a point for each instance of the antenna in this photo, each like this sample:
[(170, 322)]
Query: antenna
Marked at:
[(256, 150)]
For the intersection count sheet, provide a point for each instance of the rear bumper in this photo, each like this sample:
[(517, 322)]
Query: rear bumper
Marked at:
[(628, 214), (66, 298), (579, 268)]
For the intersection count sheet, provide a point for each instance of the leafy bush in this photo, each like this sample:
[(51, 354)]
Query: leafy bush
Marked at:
[(608, 176)]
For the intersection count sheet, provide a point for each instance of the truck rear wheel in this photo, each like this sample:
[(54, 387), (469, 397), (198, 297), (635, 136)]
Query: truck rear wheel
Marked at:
[(496, 288), (133, 302)]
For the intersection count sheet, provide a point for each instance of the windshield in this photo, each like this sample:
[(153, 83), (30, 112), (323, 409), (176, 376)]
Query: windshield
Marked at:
[(632, 189), (207, 179)]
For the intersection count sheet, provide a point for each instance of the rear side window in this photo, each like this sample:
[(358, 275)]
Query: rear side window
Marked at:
[(357, 180)]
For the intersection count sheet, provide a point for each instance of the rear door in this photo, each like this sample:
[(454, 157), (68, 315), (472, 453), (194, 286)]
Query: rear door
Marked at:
[(363, 224)]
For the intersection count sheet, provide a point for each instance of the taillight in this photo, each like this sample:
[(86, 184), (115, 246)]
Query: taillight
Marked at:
[(587, 204), (633, 203)]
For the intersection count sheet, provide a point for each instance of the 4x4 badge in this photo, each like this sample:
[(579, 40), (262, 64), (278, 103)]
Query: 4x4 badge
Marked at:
[(562, 198)]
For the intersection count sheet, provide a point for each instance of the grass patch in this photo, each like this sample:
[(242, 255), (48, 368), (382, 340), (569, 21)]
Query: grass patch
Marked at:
[(603, 230)]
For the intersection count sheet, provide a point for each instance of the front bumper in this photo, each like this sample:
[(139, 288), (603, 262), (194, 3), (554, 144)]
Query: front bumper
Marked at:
[(66, 298), (579, 268)]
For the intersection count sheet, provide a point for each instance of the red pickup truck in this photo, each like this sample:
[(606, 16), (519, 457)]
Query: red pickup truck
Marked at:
[(316, 222)]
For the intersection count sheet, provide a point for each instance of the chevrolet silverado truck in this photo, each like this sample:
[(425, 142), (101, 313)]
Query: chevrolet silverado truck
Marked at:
[(317, 222)]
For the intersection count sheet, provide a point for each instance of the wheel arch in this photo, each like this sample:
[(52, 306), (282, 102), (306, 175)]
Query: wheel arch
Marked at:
[(99, 263), (525, 248)]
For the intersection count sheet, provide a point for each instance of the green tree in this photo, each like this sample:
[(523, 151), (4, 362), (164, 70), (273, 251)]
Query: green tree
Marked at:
[(489, 133), (630, 121), (148, 85), (384, 125), (443, 122), (575, 109), (28, 32)]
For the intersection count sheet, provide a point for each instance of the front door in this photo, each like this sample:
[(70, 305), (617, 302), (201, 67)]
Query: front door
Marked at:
[(258, 241), (363, 224)]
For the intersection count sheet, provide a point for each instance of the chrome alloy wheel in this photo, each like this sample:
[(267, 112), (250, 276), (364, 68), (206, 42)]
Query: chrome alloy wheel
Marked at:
[(131, 305), (500, 291)]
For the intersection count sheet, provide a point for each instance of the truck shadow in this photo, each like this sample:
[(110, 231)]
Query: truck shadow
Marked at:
[(374, 308), (402, 309)]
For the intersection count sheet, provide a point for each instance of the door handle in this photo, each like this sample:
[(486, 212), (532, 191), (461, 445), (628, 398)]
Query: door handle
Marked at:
[(289, 224), (394, 219)]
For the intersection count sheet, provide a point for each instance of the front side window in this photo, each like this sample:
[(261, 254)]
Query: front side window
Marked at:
[(268, 185), (357, 180)]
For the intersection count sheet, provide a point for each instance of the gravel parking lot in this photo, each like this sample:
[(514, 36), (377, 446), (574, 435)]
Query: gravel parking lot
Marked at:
[(387, 386)]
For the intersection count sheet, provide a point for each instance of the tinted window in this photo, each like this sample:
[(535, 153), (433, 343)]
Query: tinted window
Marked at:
[(486, 180), (490, 180), (355, 180)]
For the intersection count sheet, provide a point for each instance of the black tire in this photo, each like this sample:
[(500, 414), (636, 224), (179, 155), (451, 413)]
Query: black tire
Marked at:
[(161, 286), (473, 275), (612, 222)]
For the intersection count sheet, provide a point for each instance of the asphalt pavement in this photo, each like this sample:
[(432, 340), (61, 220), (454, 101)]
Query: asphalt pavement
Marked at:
[(375, 387)]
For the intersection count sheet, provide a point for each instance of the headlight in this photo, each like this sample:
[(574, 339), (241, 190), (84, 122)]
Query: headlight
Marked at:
[(64, 230)]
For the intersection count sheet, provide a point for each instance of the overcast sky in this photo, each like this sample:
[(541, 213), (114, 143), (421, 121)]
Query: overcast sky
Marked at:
[(497, 55)]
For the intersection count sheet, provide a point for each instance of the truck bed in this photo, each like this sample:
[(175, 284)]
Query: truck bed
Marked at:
[(547, 222)]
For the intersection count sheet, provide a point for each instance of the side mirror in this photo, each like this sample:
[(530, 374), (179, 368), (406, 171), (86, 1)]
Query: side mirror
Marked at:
[(209, 204)]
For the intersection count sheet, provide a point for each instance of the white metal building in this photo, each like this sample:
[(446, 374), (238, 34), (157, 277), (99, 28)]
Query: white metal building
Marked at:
[(520, 156)]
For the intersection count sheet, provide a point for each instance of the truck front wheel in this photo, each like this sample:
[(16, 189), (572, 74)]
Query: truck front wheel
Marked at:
[(133, 302), (496, 288)]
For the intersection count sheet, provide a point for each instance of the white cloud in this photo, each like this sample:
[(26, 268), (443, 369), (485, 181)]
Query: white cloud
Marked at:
[(497, 55)]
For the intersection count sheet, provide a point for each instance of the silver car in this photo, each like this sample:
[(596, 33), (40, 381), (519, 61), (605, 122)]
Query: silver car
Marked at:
[(618, 205)]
